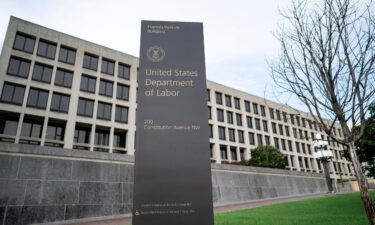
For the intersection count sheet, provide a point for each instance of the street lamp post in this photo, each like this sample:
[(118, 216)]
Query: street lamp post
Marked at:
[(324, 155)]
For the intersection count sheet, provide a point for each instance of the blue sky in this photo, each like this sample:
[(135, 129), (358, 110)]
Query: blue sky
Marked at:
[(238, 34)]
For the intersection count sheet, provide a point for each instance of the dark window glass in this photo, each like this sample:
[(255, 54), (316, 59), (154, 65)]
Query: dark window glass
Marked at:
[(122, 92), (255, 108), (287, 131), (262, 110), (32, 127), (37, 98), (102, 137), (278, 115), (220, 115), (233, 154), (119, 139), (239, 119), (42, 72), (12, 93), (88, 84), (297, 147), (218, 98), (272, 115), (82, 134), (290, 146), (108, 66), (247, 106), (251, 138), (124, 71), (106, 88), (24, 42), (237, 103), (9, 124), (85, 107), (283, 145), (18, 67), (223, 152), (221, 133), (242, 154), (281, 131), (60, 102), (210, 131), (67, 55), (260, 139), (64, 78), (240, 136), (208, 95), (292, 119), (121, 114), (229, 117), (267, 139), (285, 117), (276, 141), (55, 131), (46, 49), (90, 61), (104, 111), (274, 130), (265, 126), (228, 101), (257, 124), (249, 121), (231, 134), (209, 113)]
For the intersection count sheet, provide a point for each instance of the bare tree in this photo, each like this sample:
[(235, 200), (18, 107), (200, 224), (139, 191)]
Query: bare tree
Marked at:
[(327, 61)]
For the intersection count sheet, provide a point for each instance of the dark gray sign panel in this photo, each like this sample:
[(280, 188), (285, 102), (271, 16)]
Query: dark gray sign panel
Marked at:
[(172, 180)]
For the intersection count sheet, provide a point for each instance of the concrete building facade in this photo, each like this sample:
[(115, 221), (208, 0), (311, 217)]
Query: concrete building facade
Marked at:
[(62, 91)]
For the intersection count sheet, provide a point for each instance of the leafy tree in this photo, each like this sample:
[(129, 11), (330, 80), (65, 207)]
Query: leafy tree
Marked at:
[(267, 156)]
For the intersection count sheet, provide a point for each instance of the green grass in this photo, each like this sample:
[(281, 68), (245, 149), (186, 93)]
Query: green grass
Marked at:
[(344, 209)]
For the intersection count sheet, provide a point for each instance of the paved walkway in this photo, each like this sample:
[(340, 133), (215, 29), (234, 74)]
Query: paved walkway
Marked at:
[(223, 208)]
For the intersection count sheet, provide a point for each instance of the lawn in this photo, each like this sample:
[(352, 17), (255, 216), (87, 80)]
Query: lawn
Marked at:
[(343, 209)]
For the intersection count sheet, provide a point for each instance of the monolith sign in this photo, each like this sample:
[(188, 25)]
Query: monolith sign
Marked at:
[(172, 177)]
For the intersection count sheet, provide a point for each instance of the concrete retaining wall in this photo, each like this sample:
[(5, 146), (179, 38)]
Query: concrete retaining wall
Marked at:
[(41, 184)]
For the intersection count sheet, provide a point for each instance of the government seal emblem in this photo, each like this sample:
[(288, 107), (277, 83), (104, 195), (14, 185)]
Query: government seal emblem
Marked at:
[(155, 54)]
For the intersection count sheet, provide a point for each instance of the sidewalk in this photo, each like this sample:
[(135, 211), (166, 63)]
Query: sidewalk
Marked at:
[(222, 208)]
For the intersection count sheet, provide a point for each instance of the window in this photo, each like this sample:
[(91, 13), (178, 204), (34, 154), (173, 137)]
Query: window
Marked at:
[(231, 134), (8, 124), (210, 131), (208, 95), (249, 122), (123, 71), (106, 88), (287, 131), (209, 112), (122, 92), (32, 127), (82, 134), (46, 49), (108, 66), (220, 115), (303, 122), (60, 102), (267, 139), (42, 72), (228, 101), (257, 124), (265, 126), (233, 154), (104, 111), (251, 138), (55, 131), (218, 98), (85, 107), (24, 42), (64, 78), (285, 117), (237, 103), (239, 119), (300, 134), (229, 117), (290, 146), (298, 121), (306, 135), (276, 141), (12, 93), (242, 154), (255, 108), (223, 152), (67, 55), (90, 61), (281, 131), (260, 139), (119, 139), (292, 119), (102, 137), (221, 133), (278, 115), (121, 114), (37, 98), (272, 115), (295, 132), (297, 147), (240, 136), (274, 128), (88, 84), (18, 67), (247, 106), (262, 110), (303, 148)]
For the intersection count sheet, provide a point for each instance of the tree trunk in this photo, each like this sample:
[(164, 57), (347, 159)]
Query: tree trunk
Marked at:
[(363, 185)]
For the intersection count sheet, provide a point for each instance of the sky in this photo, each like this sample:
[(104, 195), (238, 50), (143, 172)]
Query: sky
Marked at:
[(238, 34)]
